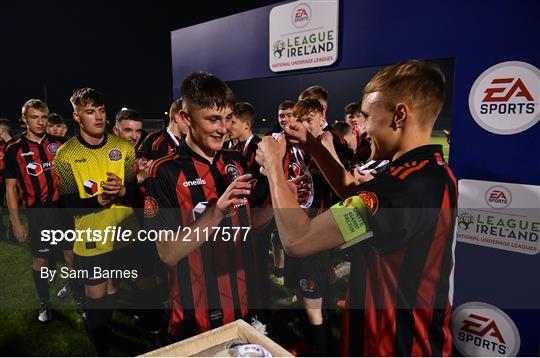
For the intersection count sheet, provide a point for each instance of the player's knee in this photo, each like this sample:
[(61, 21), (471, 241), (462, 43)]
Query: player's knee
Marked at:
[(38, 263), (315, 316)]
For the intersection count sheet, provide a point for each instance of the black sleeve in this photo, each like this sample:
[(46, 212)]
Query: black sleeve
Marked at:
[(161, 209), (11, 169)]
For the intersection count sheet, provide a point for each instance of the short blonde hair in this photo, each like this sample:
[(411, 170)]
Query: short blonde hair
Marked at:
[(418, 83)]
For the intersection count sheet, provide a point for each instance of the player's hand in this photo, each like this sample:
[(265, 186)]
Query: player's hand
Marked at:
[(270, 152), (297, 134), (143, 172), (363, 175), (19, 231), (300, 187), (235, 194), (113, 187)]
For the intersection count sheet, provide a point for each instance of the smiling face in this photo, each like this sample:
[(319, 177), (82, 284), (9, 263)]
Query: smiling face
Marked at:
[(208, 127), (379, 125), (129, 129), (285, 117), (36, 120), (92, 119)]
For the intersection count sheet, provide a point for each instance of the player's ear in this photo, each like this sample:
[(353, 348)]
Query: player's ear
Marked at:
[(185, 116), (76, 117), (401, 113), (115, 130)]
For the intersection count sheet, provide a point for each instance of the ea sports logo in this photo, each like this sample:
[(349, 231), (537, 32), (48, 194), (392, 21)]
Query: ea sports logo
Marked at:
[(504, 99), (90, 187), (483, 330), (34, 169), (301, 15), (498, 197)]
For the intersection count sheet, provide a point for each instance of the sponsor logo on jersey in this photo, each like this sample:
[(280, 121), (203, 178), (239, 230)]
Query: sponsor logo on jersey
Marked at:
[(195, 182), (90, 187), (36, 169), (27, 154)]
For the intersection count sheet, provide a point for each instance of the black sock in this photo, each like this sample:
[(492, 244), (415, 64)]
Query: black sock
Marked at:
[(320, 340), (98, 316), (42, 286), (149, 305), (77, 289)]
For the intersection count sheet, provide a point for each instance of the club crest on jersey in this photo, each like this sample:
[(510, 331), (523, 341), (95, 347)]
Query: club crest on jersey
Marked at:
[(371, 201), (115, 155), (151, 207), (90, 187), (52, 148), (232, 172)]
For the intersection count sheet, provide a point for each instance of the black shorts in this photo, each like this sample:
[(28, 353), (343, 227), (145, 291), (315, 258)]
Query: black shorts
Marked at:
[(311, 275), (46, 216), (137, 260)]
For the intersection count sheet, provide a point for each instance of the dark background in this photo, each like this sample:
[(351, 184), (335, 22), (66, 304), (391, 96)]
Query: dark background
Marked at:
[(343, 86), (50, 48)]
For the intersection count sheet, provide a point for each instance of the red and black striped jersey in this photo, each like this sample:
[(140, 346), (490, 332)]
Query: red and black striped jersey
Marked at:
[(399, 287), (31, 163), (260, 190), (3, 147), (157, 144), (210, 286)]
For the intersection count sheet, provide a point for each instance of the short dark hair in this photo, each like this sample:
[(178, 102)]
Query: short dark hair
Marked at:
[(352, 108), (128, 113), (244, 109), (307, 106), (55, 118), (5, 122), (286, 105), (316, 92), (85, 96), (204, 90), (34, 103), (342, 127)]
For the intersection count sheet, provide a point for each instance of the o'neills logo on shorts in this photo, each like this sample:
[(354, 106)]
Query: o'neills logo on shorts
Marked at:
[(195, 182), (90, 187), (504, 98)]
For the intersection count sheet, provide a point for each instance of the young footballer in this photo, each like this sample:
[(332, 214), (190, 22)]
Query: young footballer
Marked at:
[(30, 176), (398, 225), (199, 192)]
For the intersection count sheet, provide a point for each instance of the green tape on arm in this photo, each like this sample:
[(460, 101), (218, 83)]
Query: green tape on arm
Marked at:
[(350, 217)]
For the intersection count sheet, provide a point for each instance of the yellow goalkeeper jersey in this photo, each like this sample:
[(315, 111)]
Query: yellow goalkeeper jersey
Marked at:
[(82, 169)]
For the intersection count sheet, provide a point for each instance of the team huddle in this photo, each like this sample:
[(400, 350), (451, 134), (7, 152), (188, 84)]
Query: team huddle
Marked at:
[(370, 190)]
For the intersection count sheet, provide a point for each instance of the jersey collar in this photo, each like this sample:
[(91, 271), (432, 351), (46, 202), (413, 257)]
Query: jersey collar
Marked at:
[(92, 146), (184, 150), (422, 152)]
